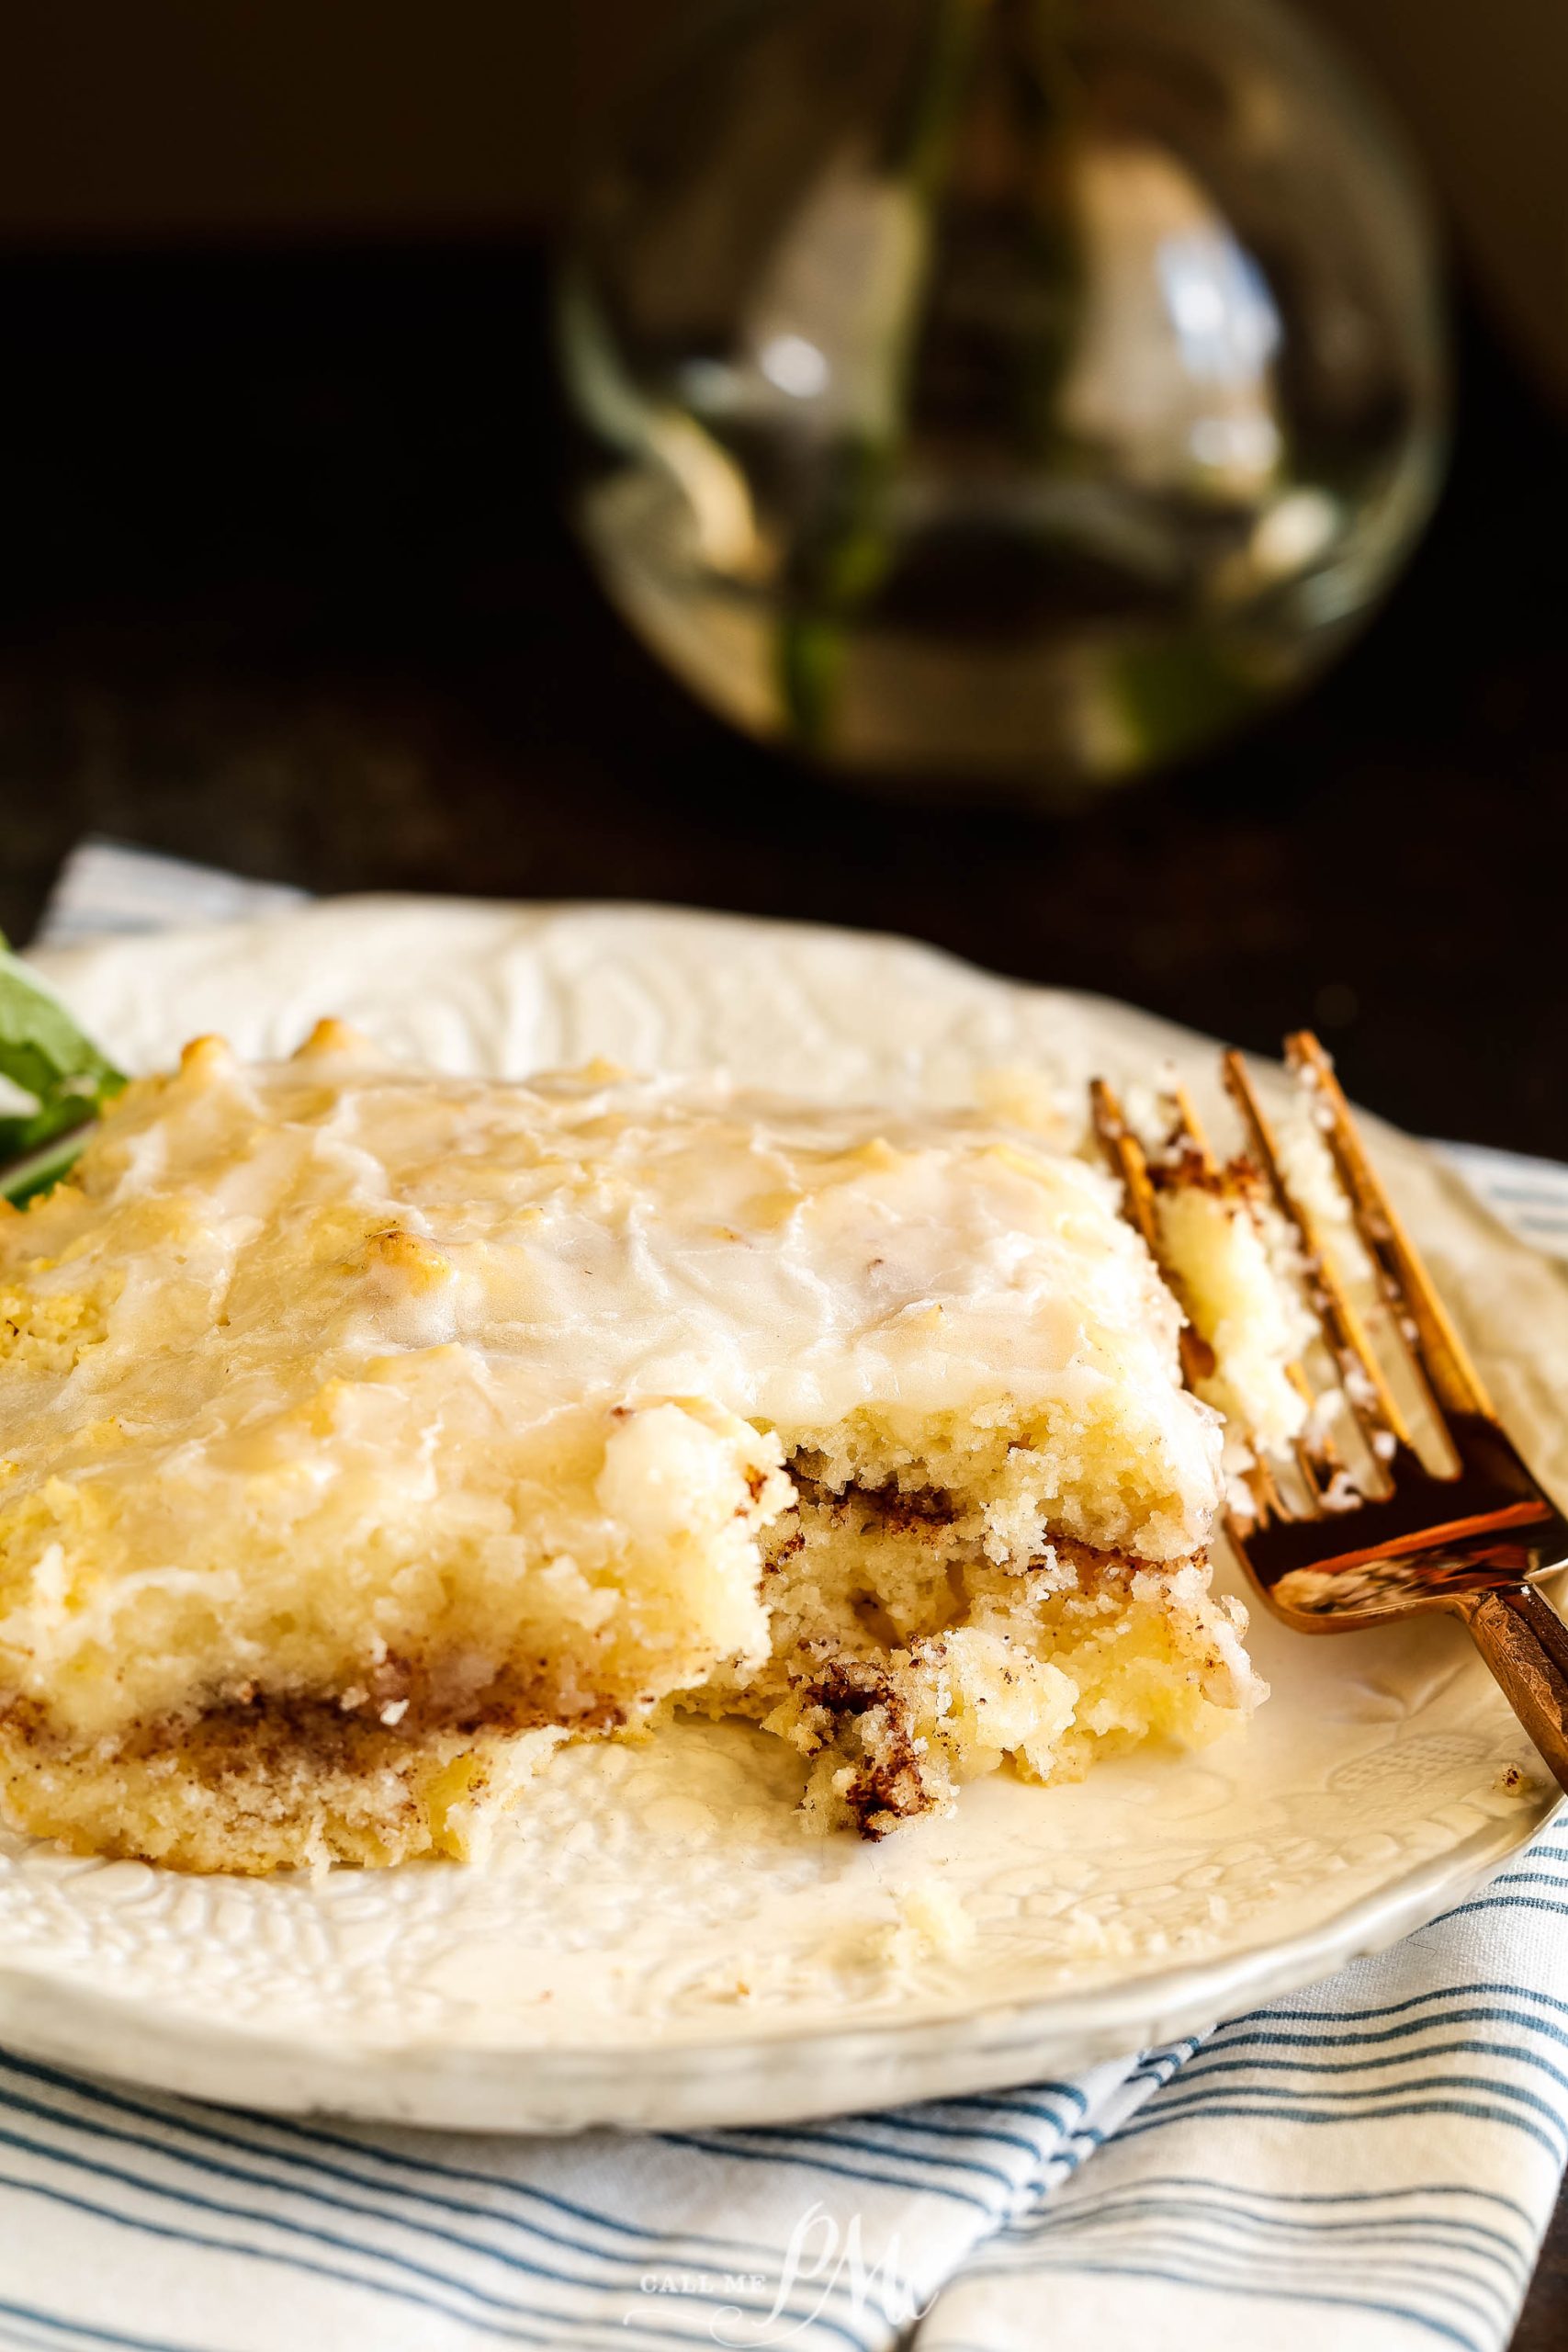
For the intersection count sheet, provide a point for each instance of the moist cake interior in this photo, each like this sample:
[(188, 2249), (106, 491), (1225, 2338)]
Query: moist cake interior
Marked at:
[(366, 1434)]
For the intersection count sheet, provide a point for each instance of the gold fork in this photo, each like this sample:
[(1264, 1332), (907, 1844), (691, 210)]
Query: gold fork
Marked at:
[(1473, 1537)]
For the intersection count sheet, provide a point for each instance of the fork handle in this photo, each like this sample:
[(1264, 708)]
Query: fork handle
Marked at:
[(1525, 1643)]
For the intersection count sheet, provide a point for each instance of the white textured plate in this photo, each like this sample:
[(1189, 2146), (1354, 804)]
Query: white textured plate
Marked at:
[(655, 1942)]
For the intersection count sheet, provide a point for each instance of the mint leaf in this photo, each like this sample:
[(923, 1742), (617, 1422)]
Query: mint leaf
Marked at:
[(44, 1054)]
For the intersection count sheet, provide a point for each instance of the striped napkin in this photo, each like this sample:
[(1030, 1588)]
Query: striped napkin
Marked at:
[(1369, 2165)]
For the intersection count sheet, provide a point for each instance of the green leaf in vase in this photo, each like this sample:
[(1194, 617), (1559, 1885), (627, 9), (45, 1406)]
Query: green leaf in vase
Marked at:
[(1169, 697), (885, 218)]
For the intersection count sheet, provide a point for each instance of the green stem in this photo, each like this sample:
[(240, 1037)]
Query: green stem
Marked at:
[(846, 558)]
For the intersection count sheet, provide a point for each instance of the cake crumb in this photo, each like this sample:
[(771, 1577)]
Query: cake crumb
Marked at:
[(931, 1923)]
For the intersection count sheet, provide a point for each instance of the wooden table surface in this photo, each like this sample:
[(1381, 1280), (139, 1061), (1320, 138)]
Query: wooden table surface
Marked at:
[(285, 586)]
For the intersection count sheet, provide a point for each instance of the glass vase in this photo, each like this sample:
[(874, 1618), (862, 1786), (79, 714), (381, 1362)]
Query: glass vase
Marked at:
[(1016, 393)]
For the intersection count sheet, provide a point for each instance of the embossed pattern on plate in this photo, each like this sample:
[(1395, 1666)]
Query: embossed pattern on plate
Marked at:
[(655, 1942)]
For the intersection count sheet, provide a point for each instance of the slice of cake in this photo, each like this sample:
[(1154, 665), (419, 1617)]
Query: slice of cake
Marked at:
[(366, 1433)]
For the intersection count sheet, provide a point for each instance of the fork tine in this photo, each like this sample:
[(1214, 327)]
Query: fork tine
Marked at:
[(1367, 1391), (1189, 1128), (1127, 1154), (1269, 1497), (1127, 1157), (1434, 1345), (1131, 1162), (1318, 1461), (1268, 1502)]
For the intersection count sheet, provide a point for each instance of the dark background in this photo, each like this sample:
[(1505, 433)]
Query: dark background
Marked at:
[(285, 583)]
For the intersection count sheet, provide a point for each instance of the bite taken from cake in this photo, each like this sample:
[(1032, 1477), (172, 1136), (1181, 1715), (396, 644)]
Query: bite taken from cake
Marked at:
[(366, 1433)]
